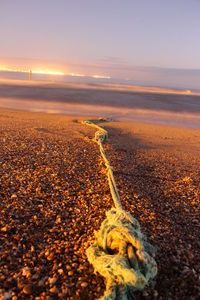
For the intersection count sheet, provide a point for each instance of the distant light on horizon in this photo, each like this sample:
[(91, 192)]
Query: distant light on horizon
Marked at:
[(2, 69), (101, 76), (92, 76), (49, 71), (33, 71), (188, 92), (76, 75)]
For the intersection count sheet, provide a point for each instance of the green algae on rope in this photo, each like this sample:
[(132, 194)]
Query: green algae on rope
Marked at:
[(121, 252)]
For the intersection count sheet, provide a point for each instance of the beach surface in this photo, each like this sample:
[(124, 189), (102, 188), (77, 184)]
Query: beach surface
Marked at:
[(54, 193), (180, 108)]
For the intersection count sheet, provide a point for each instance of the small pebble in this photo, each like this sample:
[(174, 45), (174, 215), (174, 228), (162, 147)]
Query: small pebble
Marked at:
[(54, 290), (70, 273), (52, 280), (84, 284), (27, 289)]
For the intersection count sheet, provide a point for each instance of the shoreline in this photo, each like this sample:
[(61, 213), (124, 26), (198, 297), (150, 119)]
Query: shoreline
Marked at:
[(82, 99), (165, 118), (102, 86)]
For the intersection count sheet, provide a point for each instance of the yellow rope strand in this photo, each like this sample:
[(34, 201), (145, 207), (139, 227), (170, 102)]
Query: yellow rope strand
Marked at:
[(100, 136), (120, 252)]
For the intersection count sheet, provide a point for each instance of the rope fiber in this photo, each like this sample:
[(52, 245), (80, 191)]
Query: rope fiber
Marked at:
[(121, 252)]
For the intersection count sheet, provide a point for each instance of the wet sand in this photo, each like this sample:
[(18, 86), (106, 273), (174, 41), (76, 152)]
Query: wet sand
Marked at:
[(141, 104), (54, 194)]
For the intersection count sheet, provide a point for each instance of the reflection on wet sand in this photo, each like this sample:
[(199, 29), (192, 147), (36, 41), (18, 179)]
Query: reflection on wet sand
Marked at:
[(144, 105)]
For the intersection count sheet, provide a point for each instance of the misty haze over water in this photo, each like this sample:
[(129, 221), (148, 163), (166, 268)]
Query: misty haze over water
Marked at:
[(157, 77)]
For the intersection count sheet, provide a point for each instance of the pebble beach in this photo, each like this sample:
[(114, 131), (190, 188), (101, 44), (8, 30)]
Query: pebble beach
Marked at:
[(54, 193)]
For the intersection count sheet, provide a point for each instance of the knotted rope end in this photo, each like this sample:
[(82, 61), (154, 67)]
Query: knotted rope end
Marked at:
[(122, 255)]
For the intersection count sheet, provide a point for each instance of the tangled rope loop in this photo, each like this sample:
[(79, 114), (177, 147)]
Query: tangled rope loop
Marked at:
[(121, 252)]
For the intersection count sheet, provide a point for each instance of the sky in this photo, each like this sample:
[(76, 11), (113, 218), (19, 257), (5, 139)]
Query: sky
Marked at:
[(149, 41)]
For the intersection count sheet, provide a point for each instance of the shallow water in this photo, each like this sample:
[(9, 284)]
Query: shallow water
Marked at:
[(162, 117)]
